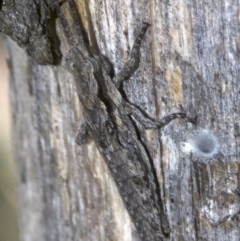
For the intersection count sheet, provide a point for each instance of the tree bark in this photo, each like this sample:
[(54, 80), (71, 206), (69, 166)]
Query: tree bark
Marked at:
[(189, 62)]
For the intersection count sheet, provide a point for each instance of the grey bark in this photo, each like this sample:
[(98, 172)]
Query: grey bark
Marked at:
[(190, 61)]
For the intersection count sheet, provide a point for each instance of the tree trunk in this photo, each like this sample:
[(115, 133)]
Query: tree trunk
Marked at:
[(189, 62)]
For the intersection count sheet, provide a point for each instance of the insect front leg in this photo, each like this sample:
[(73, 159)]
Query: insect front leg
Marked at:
[(133, 63)]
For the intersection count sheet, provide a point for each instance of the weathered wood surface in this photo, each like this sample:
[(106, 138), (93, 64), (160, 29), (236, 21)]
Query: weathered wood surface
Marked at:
[(190, 61)]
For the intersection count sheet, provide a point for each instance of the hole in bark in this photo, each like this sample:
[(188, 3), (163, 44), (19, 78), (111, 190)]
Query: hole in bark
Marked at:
[(205, 144)]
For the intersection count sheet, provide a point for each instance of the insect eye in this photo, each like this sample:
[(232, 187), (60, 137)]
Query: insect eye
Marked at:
[(110, 127), (70, 64)]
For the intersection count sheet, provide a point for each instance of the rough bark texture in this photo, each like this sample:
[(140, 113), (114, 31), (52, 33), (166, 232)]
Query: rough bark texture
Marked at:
[(190, 61)]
